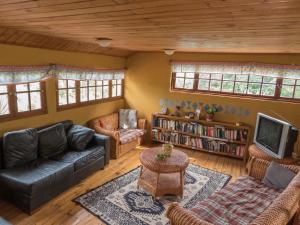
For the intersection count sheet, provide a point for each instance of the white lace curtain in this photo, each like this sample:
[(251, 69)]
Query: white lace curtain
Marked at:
[(12, 74), (271, 70)]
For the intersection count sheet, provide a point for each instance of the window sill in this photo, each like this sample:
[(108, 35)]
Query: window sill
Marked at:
[(22, 115)]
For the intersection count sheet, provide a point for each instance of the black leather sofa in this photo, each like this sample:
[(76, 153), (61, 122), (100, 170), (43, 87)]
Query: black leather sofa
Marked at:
[(29, 186)]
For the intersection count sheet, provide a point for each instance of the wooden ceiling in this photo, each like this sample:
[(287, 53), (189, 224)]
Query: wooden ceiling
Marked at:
[(241, 26)]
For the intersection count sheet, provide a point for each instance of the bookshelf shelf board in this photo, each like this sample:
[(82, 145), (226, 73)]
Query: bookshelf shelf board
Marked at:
[(201, 136)]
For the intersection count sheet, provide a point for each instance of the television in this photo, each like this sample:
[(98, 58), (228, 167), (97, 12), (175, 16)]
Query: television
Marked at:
[(275, 137)]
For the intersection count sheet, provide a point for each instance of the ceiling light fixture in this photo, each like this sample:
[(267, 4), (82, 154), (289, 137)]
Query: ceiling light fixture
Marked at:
[(169, 51), (104, 42)]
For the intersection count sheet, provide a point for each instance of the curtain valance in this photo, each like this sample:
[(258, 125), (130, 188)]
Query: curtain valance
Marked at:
[(249, 68), (22, 74)]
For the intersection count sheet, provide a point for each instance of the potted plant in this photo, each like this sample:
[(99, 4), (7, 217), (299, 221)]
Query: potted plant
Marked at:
[(210, 112)]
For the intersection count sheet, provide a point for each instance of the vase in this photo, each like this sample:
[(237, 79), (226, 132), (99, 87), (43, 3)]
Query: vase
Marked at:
[(167, 149), (209, 117)]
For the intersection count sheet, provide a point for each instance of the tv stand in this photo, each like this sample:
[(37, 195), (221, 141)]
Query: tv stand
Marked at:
[(258, 153)]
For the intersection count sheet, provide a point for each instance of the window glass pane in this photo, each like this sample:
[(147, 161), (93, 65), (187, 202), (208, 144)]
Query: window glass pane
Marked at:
[(21, 87), (35, 98), (83, 94), (287, 91), (269, 80), (189, 83), (227, 86), (105, 82), (179, 74), (105, 92), (215, 85), (216, 76), (119, 90), (62, 84), (4, 108), (99, 83), (3, 89), (241, 78), (203, 84), (114, 91), (62, 97), (204, 75), (114, 82), (289, 81), (298, 82), (71, 83), (83, 83), (297, 92), (92, 83), (255, 78), (190, 75), (72, 96), (228, 77), (254, 88), (22, 102), (119, 82), (98, 92), (179, 82), (34, 86), (92, 93), (240, 88), (268, 89)]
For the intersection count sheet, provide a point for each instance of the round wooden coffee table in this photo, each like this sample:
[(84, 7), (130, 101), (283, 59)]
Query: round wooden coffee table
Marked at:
[(162, 177)]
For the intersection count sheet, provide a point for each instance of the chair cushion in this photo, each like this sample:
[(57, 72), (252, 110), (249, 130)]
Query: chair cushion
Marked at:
[(79, 136), (52, 140), (82, 158), (129, 135), (278, 176), (37, 176), (110, 122), (238, 203), (20, 147), (127, 119)]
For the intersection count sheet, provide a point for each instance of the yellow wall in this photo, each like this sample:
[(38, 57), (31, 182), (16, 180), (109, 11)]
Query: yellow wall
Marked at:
[(148, 81), (14, 55)]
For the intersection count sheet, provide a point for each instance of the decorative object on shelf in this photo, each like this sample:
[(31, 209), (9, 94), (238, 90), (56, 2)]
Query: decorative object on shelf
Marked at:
[(178, 111), (189, 115), (197, 113), (164, 110), (210, 112), (239, 124), (167, 149)]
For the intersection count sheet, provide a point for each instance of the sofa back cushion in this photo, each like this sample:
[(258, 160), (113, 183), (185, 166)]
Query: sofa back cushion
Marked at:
[(127, 118), (79, 137), (20, 147), (110, 122), (52, 141)]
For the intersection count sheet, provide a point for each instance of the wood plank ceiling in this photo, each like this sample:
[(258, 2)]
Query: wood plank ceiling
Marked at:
[(254, 26)]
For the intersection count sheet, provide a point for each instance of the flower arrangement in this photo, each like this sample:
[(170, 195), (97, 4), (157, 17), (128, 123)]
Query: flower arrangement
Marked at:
[(166, 152), (210, 112)]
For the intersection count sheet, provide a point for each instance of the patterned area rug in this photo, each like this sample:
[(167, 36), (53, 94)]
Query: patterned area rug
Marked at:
[(120, 202)]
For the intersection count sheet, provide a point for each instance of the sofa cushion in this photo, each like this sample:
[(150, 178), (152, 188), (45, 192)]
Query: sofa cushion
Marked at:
[(79, 136), (36, 176), (238, 203), (82, 158), (20, 147), (110, 122), (127, 119), (52, 140), (278, 176), (128, 135)]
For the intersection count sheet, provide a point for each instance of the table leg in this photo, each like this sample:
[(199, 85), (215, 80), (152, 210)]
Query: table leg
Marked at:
[(181, 182), (141, 172), (157, 183)]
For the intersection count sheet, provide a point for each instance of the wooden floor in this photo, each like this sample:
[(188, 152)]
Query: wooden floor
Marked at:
[(61, 210)]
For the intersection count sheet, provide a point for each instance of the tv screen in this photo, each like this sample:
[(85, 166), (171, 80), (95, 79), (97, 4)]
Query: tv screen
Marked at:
[(269, 134)]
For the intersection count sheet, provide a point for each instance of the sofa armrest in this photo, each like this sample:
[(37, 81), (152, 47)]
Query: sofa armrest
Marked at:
[(104, 141), (111, 133), (181, 216), (142, 124)]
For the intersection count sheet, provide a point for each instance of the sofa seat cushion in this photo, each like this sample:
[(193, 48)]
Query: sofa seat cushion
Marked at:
[(238, 203), (82, 158), (128, 135), (37, 176)]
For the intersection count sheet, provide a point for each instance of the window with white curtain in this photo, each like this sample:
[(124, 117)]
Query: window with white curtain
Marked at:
[(241, 79)]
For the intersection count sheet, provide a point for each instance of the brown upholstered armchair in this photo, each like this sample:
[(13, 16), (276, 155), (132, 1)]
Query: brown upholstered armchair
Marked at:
[(122, 140)]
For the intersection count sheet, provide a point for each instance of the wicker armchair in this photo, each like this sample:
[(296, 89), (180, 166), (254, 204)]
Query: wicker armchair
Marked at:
[(121, 141), (280, 212)]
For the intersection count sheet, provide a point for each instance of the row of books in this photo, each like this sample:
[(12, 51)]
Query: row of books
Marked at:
[(216, 131), (199, 143)]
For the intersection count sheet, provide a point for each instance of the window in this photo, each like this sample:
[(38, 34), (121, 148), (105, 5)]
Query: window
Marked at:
[(66, 92), (236, 80), (22, 99), (117, 87), (93, 90)]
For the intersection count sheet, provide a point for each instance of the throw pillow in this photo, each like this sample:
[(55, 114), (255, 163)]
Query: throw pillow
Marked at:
[(20, 147), (278, 176), (79, 137), (127, 119), (52, 141)]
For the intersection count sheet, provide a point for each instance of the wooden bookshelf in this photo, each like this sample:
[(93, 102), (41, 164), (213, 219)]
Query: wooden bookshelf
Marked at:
[(236, 146)]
